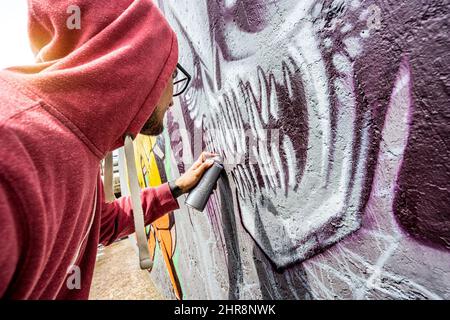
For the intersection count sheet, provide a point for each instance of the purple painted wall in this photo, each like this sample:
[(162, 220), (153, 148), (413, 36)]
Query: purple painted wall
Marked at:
[(333, 118)]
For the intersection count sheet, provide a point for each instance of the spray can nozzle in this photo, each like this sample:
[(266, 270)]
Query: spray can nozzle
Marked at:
[(199, 195)]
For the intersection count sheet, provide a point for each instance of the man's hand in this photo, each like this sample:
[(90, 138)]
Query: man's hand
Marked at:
[(191, 177)]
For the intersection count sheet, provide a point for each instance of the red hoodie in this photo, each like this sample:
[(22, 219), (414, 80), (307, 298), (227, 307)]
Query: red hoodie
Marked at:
[(58, 119)]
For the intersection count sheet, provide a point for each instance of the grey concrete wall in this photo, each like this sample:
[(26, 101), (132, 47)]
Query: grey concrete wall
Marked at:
[(333, 118)]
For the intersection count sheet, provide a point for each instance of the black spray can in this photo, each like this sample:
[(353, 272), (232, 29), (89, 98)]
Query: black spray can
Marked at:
[(199, 195)]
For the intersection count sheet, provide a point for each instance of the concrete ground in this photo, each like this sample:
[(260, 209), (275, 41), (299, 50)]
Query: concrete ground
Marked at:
[(117, 275)]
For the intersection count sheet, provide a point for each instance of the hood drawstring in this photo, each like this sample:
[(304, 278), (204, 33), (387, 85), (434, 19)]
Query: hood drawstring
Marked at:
[(144, 255), (108, 174)]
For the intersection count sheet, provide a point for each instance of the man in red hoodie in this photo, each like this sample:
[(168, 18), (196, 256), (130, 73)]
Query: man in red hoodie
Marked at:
[(90, 87)]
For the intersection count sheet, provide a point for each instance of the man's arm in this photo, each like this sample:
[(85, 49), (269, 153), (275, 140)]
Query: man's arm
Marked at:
[(9, 244), (117, 216)]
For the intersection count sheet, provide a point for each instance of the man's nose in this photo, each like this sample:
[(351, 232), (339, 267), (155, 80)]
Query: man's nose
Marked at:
[(171, 103)]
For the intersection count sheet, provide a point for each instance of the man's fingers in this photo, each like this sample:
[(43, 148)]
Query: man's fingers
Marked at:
[(197, 163), (205, 165), (203, 156)]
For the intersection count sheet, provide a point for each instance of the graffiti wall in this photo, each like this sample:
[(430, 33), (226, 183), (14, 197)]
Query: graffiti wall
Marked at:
[(153, 169), (333, 120)]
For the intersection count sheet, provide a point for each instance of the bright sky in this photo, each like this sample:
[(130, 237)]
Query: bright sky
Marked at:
[(14, 46)]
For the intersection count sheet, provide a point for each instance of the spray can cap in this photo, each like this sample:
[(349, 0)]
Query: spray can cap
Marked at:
[(217, 159)]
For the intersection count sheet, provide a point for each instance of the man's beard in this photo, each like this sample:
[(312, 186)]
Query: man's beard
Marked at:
[(154, 126)]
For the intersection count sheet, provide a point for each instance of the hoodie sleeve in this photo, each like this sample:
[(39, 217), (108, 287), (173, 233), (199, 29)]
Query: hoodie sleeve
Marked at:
[(117, 216), (9, 246)]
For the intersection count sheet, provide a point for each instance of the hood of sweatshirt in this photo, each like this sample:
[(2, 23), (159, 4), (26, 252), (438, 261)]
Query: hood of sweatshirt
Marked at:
[(101, 66)]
